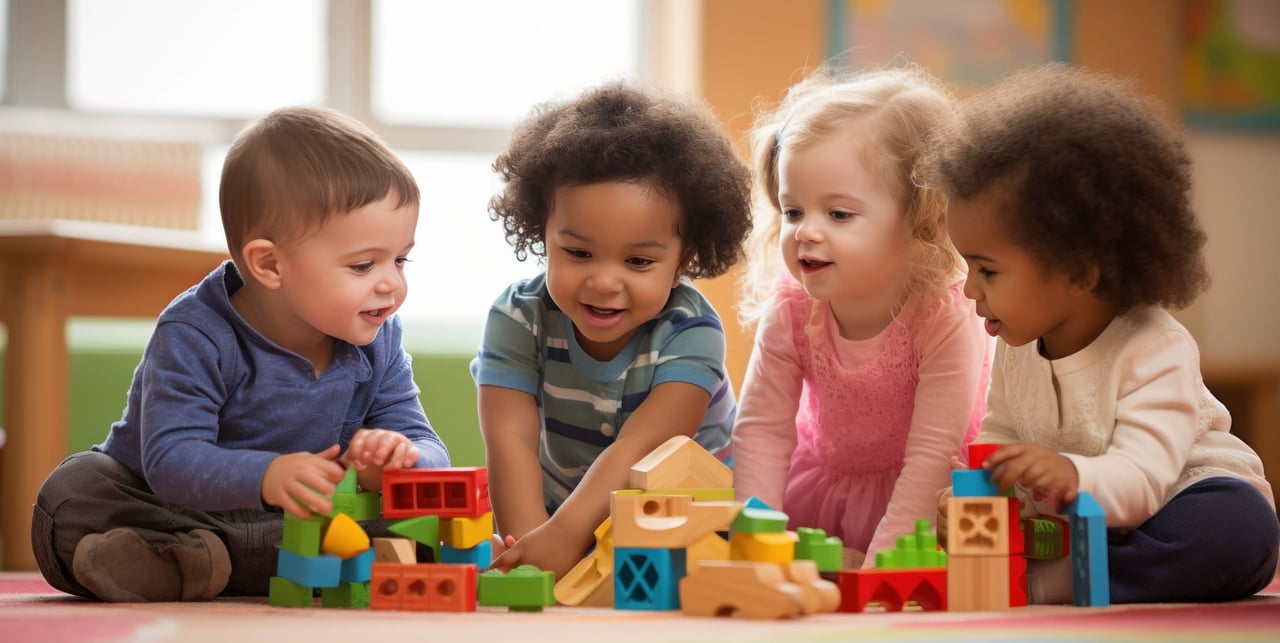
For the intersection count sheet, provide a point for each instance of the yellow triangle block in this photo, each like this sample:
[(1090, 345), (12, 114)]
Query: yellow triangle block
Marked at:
[(344, 538)]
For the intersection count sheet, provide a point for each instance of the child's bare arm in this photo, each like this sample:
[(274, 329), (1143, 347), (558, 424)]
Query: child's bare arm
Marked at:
[(302, 483), (511, 429), (672, 408)]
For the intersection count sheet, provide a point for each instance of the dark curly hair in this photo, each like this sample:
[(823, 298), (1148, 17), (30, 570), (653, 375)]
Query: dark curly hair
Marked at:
[(617, 132), (1091, 174)]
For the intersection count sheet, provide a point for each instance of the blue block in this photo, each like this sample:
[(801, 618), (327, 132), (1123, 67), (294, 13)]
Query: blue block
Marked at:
[(647, 579), (1090, 580), (973, 483), (358, 568), (309, 571), (756, 503), (480, 555)]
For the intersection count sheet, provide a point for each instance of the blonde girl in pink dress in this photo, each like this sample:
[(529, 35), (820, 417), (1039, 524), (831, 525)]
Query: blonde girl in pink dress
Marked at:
[(870, 367)]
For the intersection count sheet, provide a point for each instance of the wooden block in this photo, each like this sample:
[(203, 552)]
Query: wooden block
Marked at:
[(667, 522), (977, 583), (744, 588), (978, 526), (820, 595), (395, 550), (680, 463)]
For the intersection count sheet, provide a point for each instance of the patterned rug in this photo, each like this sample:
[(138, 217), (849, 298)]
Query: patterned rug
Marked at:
[(30, 610)]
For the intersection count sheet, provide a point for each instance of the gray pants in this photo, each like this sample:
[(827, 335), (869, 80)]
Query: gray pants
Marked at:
[(93, 493)]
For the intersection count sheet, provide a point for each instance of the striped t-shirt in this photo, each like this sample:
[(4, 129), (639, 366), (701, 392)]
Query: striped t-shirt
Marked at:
[(529, 346)]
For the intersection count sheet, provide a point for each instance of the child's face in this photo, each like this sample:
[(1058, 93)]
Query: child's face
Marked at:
[(345, 279), (841, 235), (1020, 300), (613, 257)]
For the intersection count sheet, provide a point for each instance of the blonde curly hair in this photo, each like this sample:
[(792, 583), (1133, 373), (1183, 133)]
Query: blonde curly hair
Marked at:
[(909, 107)]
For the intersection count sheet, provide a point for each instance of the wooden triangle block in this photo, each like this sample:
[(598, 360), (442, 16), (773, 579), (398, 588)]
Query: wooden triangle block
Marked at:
[(680, 463)]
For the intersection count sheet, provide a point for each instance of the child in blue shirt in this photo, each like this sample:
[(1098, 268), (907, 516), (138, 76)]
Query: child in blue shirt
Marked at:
[(610, 352), (260, 384)]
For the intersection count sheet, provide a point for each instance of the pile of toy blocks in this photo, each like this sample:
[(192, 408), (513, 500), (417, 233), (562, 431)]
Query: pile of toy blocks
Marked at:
[(914, 572), (989, 543), (662, 547)]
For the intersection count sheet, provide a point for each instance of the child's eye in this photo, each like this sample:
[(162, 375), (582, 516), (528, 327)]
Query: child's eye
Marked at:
[(986, 273), (577, 254), (641, 262), (401, 261), (362, 268), (791, 214), (841, 215)]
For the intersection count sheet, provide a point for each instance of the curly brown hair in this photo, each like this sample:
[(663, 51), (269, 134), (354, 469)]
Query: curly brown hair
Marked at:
[(1092, 175), (617, 132)]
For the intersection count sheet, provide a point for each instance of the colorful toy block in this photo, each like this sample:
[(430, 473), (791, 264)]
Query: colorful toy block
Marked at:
[(740, 588), (360, 506), (891, 589), (753, 520), (356, 568), (481, 555), (344, 537), (977, 583), (309, 571), (302, 535), (667, 522), (465, 532), (1017, 538), (978, 452), (282, 592), (349, 483), (1046, 538), (424, 587), (394, 550), (680, 463), (913, 551), (777, 547), (1091, 581), (977, 526), (699, 495), (648, 579), (346, 595), (590, 582), (1017, 581), (820, 595), (974, 483), (523, 589), (816, 545), (447, 493), (424, 530), (710, 547)]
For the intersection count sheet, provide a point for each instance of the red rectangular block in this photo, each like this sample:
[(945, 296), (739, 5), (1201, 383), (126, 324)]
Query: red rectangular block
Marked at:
[(456, 492)]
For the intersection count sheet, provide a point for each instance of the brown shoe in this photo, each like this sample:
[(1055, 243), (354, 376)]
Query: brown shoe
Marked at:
[(121, 567)]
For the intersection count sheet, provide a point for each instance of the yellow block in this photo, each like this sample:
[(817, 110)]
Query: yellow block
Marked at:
[(775, 547), (344, 537), (466, 532)]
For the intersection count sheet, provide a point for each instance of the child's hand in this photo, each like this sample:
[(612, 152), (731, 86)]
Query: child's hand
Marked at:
[(303, 483), (373, 451), (1046, 474), (544, 547)]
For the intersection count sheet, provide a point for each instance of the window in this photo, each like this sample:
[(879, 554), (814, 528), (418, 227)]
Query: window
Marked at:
[(237, 58)]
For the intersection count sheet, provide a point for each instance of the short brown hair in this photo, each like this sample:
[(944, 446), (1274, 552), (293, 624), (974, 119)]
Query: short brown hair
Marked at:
[(1091, 175), (286, 174), (618, 132)]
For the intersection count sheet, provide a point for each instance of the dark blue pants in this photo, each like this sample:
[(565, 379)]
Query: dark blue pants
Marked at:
[(1217, 540)]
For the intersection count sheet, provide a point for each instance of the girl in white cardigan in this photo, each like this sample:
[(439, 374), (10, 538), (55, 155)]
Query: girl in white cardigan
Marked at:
[(1070, 203)]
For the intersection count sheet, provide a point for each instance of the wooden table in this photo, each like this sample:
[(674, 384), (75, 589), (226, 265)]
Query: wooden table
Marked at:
[(49, 271)]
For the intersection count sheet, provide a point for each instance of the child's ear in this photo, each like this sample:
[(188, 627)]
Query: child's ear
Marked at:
[(1087, 281), (262, 262), (685, 260)]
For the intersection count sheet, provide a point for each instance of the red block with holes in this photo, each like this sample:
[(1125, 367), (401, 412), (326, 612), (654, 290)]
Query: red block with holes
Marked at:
[(423, 587), (457, 492), (893, 588)]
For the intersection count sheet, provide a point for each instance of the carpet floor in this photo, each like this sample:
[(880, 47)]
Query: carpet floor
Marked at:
[(30, 610)]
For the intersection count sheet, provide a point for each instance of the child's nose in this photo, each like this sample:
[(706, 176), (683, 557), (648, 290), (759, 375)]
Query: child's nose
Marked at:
[(604, 280), (971, 289), (390, 281), (809, 230)]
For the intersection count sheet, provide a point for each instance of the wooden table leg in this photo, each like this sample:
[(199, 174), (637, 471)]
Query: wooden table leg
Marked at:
[(36, 416)]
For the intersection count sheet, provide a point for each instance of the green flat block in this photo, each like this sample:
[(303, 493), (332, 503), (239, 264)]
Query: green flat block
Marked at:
[(302, 535), (424, 530), (752, 520), (283, 592), (524, 589), (346, 595)]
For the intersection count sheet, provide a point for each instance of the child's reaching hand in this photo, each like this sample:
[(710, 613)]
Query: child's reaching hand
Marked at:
[(545, 547), (1049, 475), (303, 483), (373, 451)]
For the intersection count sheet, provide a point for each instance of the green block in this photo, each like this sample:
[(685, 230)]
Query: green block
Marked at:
[(753, 520), (346, 595), (424, 530), (816, 545), (524, 589), (283, 592), (302, 535), (917, 550), (348, 484), (366, 505), (1044, 539)]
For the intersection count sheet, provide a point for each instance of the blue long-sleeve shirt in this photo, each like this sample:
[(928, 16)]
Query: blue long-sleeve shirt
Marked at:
[(213, 401)]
